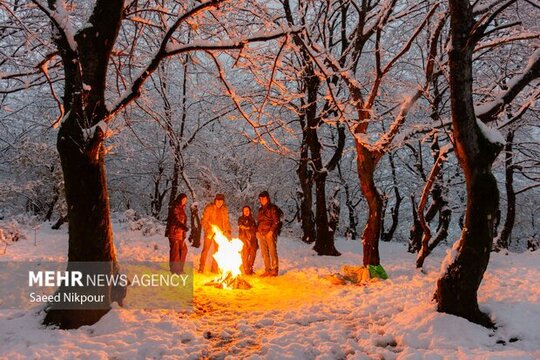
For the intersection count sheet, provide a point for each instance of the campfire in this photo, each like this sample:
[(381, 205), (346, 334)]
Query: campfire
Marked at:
[(229, 259)]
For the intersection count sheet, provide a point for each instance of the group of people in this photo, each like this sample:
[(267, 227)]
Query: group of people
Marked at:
[(261, 233)]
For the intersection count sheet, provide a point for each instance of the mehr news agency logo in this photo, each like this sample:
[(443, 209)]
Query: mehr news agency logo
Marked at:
[(76, 279)]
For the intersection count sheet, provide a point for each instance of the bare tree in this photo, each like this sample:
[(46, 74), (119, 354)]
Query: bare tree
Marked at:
[(476, 147), (357, 107)]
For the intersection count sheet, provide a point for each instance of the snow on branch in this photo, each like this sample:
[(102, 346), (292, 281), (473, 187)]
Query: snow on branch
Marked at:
[(386, 140), (330, 66), (60, 18), (480, 8), (493, 135), (36, 69), (404, 109), (406, 47), (415, 34), (478, 30), (254, 125), (535, 96), (101, 127), (384, 12), (45, 69), (231, 44), (135, 89), (488, 111), (518, 36), (166, 50)]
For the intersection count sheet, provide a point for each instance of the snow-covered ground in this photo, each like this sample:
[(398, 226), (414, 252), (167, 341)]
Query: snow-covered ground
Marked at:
[(298, 315)]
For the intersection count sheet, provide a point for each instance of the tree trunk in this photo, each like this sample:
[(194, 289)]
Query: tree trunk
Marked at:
[(433, 186), (442, 230), (458, 286), (503, 240), (82, 155), (388, 235), (334, 211), (366, 163), (174, 142), (90, 230), (308, 111), (175, 179), (415, 233), (324, 243), (156, 204), (350, 232), (52, 204), (195, 221), (305, 176), (445, 216)]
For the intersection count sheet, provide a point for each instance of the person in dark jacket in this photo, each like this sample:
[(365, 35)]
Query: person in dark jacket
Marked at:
[(267, 226), (176, 232), (247, 228)]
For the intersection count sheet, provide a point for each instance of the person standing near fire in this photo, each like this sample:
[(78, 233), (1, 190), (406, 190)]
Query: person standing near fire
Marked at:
[(268, 219), (247, 227), (176, 232), (215, 213)]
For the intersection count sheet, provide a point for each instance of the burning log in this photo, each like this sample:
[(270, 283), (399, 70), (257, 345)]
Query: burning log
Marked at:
[(230, 282), (229, 259)]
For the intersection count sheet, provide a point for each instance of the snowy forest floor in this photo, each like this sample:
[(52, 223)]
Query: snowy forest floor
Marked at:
[(298, 315)]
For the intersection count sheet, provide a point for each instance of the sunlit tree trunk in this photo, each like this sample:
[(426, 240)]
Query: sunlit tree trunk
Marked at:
[(367, 163)]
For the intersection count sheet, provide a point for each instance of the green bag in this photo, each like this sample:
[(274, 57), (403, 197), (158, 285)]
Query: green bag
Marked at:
[(377, 271)]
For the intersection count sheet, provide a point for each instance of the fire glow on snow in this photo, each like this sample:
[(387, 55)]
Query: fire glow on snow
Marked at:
[(297, 315)]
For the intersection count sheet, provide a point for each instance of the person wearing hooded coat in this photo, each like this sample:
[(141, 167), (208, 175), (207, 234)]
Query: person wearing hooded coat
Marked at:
[(176, 232), (247, 227)]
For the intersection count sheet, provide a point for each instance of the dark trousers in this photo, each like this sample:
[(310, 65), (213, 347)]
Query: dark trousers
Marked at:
[(208, 241), (249, 252), (177, 254)]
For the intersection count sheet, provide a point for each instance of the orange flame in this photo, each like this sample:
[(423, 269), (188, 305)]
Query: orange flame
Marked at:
[(228, 255)]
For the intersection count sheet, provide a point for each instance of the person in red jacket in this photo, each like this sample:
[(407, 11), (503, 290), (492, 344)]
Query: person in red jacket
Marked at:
[(267, 230), (176, 232)]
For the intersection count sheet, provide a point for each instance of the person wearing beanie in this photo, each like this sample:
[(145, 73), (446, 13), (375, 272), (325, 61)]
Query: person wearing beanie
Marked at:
[(215, 213), (268, 219), (176, 232)]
